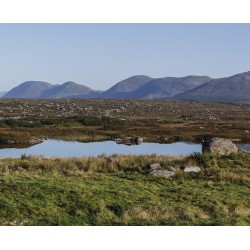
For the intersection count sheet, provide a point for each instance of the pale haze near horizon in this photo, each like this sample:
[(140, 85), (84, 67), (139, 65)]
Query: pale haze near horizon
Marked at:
[(100, 55)]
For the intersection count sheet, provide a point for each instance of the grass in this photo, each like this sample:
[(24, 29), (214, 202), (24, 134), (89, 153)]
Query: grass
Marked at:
[(120, 191)]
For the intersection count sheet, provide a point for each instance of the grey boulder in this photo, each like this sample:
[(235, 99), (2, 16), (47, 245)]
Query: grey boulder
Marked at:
[(189, 169), (163, 173), (155, 166), (220, 146)]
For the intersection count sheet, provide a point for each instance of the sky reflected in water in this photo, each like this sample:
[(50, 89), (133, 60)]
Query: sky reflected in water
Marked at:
[(55, 148)]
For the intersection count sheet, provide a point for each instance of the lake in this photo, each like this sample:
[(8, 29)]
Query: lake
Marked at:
[(60, 148)]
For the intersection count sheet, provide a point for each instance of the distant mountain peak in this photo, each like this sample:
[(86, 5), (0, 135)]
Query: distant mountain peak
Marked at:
[(70, 83), (28, 89), (128, 85), (67, 89), (235, 88)]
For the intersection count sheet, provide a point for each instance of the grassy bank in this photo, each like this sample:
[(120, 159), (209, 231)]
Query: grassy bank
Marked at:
[(121, 191)]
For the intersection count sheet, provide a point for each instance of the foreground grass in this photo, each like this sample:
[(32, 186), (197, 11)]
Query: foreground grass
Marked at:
[(120, 191)]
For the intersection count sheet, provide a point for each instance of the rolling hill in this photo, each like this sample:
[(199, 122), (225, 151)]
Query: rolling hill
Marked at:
[(123, 88), (29, 89), (37, 89)]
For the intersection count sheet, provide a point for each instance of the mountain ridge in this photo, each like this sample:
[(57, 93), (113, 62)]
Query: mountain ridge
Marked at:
[(234, 88), (66, 89), (168, 86)]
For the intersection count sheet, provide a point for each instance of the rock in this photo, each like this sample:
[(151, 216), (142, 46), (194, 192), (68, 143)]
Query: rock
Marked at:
[(138, 140), (155, 166), (195, 169), (163, 173), (218, 145)]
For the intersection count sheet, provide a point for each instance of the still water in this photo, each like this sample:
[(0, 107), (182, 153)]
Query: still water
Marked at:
[(59, 148)]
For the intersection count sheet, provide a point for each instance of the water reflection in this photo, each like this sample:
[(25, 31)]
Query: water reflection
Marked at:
[(244, 147), (59, 148)]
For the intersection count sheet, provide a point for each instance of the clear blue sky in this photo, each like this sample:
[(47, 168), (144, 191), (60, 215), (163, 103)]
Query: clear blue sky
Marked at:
[(100, 55)]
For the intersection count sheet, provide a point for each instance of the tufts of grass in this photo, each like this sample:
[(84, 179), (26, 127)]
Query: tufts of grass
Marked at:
[(119, 190)]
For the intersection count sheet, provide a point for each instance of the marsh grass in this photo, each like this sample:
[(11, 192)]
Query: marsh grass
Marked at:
[(118, 190)]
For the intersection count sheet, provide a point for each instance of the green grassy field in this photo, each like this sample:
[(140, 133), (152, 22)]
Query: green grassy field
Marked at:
[(121, 191)]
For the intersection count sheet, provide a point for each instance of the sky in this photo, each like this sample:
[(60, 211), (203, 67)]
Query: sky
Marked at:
[(100, 55)]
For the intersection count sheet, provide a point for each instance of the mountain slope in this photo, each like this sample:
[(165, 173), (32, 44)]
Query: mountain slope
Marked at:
[(124, 87), (229, 89), (65, 90), (29, 89), (168, 86)]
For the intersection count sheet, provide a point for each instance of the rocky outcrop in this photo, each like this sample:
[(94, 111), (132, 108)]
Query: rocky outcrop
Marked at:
[(218, 145)]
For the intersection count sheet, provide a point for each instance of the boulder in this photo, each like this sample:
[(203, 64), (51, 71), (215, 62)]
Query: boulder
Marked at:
[(195, 169), (155, 166), (138, 140), (220, 146), (163, 173)]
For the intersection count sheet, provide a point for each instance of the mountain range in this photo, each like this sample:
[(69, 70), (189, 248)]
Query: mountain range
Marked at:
[(202, 88)]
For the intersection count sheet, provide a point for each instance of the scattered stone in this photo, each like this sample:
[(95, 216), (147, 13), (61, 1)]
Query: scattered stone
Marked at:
[(220, 146), (19, 169), (195, 169), (163, 173), (155, 166)]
